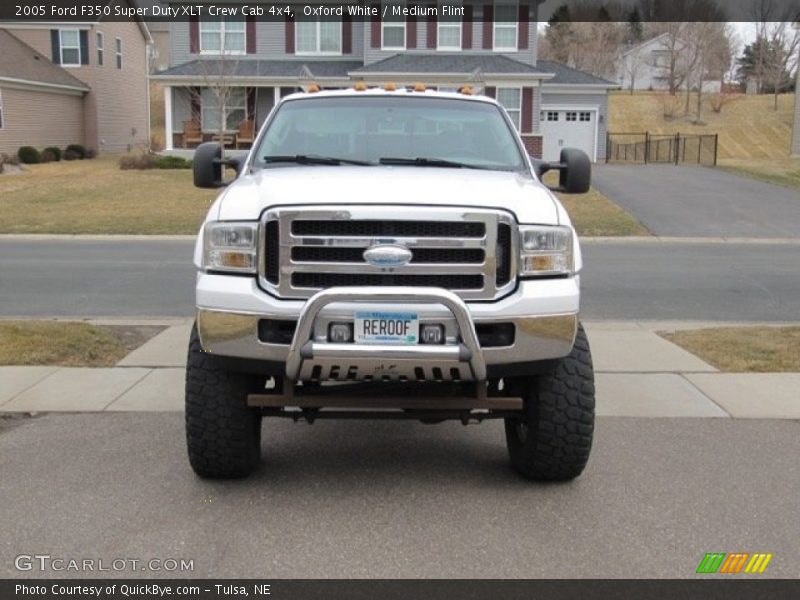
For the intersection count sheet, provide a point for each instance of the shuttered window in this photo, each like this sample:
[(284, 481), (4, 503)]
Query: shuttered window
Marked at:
[(318, 37), (227, 35), (70, 47)]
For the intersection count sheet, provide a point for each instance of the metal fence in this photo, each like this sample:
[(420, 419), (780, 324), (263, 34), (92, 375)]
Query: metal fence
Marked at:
[(647, 147)]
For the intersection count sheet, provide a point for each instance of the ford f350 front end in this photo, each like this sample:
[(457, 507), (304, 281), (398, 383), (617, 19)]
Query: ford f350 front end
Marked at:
[(389, 254)]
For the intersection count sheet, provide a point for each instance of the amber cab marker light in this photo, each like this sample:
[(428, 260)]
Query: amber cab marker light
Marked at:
[(390, 87), (360, 86), (313, 88), (466, 90), (419, 87)]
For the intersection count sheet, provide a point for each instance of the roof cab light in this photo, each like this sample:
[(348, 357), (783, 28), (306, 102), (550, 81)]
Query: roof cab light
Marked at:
[(419, 87), (360, 86), (230, 247)]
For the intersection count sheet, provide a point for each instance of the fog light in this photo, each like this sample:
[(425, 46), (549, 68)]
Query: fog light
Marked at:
[(340, 333), (431, 334)]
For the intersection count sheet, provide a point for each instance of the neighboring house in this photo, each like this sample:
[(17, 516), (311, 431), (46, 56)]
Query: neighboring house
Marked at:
[(496, 53), (159, 32), (74, 83), (645, 66)]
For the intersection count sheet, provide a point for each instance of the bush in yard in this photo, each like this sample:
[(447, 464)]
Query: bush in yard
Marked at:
[(29, 155), (71, 155), (48, 156), (90, 153), (138, 161), (78, 150), (55, 151), (173, 162)]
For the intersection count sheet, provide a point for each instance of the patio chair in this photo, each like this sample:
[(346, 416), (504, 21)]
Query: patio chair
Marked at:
[(246, 133), (192, 133)]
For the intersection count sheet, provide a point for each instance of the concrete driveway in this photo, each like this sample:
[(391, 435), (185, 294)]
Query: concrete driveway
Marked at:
[(378, 499), (701, 202)]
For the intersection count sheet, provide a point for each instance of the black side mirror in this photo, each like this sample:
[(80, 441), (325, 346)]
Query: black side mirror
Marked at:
[(575, 171), (208, 165)]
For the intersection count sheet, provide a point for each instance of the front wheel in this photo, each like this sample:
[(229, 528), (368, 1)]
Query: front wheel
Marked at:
[(223, 434), (553, 438)]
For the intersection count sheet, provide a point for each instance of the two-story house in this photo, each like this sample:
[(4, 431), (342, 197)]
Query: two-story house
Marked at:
[(491, 47), (74, 83)]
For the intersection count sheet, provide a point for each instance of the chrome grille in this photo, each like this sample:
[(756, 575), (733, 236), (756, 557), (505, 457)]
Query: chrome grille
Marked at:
[(468, 251)]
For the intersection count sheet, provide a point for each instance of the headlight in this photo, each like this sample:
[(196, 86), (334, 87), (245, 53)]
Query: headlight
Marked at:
[(545, 251), (230, 247)]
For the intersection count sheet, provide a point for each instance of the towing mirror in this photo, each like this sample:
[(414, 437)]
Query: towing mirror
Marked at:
[(208, 166), (574, 171)]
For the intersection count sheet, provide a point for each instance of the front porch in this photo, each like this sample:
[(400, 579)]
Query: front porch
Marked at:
[(194, 114)]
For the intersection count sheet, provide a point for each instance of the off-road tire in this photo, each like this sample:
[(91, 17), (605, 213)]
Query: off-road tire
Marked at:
[(553, 439), (223, 435)]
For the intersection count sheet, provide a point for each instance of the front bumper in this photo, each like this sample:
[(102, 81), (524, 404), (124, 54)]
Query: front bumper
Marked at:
[(544, 314)]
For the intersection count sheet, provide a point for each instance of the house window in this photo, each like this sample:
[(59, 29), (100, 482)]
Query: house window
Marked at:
[(119, 53), (70, 44), (586, 117), (318, 37), (211, 101), (100, 41), (511, 100), (505, 26), (550, 115), (572, 116), (448, 36), (393, 27), (228, 36)]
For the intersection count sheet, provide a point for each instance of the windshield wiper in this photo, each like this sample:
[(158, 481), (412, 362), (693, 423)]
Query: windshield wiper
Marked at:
[(427, 162), (310, 159)]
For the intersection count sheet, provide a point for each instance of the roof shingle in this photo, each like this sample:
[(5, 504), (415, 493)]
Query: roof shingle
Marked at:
[(20, 61)]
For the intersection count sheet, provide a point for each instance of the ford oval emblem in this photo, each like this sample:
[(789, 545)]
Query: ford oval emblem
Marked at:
[(387, 255)]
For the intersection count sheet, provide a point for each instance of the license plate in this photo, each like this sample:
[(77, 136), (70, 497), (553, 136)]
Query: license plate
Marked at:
[(386, 328)]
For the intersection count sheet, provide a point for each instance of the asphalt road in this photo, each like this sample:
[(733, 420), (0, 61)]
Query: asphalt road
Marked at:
[(401, 499), (700, 202), (621, 280)]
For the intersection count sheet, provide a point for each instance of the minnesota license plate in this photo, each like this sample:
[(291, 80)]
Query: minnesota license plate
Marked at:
[(386, 328)]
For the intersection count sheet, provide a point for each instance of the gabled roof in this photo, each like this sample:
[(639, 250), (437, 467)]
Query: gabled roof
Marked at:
[(23, 64), (247, 68), (565, 75), (645, 43), (414, 63)]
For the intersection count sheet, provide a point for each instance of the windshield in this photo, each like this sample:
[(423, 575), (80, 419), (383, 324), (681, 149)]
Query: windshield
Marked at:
[(392, 130)]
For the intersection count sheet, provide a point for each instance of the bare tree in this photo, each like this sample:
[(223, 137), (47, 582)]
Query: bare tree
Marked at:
[(778, 43), (632, 65), (217, 75)]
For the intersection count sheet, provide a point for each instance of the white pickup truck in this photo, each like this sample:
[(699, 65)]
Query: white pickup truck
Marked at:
[(389, 253)]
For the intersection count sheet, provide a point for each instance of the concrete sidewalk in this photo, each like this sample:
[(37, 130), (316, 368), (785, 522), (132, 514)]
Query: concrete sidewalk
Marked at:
[(638, 374)]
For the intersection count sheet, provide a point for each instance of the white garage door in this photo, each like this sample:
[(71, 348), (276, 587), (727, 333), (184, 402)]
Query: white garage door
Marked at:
[(570, 128)]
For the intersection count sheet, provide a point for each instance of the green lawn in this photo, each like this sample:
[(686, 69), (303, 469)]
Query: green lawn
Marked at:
[(780, 171), (749, 127), (95, 196), (68, 344), (744, 349)]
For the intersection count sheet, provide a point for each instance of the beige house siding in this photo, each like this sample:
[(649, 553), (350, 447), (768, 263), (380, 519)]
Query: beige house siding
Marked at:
[(116, 110), (40, 119)]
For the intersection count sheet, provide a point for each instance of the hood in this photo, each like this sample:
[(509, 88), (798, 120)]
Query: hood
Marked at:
[(249, 195)]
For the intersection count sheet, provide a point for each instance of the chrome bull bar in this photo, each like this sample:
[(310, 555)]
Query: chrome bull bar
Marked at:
[(386, 361)]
